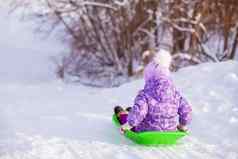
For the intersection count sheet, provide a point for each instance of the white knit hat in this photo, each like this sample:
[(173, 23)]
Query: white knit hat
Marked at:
[(163, 58)]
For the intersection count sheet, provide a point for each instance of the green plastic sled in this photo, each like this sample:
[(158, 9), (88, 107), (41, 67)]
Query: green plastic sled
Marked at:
[(152, 138)]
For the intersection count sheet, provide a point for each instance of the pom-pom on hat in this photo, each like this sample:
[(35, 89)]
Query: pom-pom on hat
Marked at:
[(163, 58)]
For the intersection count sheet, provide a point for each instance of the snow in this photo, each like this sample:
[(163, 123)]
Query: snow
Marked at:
[(41, 117), (25, 56)]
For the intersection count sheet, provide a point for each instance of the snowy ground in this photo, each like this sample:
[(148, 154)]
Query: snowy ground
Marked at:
[(24, 56), (43, 118)]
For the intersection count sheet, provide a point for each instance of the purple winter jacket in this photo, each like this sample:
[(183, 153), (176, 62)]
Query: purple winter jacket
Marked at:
[(159, 106)]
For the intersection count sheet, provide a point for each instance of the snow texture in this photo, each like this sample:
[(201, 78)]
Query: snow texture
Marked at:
[(43, 118), (24, 55)]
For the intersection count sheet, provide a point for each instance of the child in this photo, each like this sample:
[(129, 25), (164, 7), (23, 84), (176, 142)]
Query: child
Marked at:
[(158, 106), (121, 114)]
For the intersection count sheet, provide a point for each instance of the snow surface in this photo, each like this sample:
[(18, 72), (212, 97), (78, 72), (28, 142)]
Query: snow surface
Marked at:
[(43, 118), (24, 55)]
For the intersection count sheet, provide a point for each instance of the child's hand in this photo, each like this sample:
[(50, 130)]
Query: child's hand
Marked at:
[(122, 131), (125, 127), (182, 128)]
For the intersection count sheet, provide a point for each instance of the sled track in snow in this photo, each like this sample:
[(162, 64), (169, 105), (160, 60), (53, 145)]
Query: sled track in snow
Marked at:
[(55, 148)]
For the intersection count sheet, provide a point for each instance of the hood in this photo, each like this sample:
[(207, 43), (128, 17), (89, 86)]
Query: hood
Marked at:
[(155, 71)]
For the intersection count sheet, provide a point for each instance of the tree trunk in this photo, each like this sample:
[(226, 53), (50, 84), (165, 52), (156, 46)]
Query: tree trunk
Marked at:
[(234, 46)]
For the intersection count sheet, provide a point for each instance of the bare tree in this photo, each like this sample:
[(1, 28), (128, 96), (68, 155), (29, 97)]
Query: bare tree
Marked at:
[(108, 37)]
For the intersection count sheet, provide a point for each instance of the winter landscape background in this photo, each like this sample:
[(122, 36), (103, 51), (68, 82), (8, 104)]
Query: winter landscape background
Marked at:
[(44, 117)]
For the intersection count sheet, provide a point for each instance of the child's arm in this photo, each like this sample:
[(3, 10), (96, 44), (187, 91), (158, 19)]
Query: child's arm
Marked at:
[(138, 111), (184, 111)]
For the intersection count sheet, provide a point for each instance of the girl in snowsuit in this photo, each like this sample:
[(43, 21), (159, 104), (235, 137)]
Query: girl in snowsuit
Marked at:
[(159, 106)]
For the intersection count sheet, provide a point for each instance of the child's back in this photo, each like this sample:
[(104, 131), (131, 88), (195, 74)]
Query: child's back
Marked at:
[(159, 105)]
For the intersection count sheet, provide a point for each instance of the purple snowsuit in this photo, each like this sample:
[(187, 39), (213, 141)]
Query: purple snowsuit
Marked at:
[(159, 105)]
